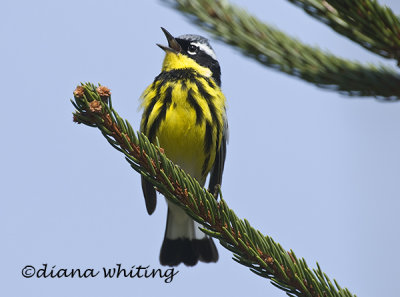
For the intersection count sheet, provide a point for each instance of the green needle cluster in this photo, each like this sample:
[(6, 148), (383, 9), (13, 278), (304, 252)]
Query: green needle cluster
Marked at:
[(364, 21), (371, 25), (250, 247)]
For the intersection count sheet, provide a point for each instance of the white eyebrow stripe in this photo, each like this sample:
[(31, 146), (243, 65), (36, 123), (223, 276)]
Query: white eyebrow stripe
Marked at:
[(205, 49)]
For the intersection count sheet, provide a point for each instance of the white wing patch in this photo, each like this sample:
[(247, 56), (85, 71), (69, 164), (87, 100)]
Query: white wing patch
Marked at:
[(205, 48)]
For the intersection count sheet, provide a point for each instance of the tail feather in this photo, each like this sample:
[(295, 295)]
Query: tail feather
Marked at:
[(184, 244), (207, 250), (176, 251)]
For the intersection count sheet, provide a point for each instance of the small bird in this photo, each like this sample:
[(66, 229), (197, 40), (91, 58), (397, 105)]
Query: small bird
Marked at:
[(185, 109)]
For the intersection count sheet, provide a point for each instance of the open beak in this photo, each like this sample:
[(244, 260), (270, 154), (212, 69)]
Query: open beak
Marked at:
[(173, 45)]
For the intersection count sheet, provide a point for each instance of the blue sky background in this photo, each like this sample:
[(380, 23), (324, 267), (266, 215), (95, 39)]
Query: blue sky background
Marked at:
[(317, 171)]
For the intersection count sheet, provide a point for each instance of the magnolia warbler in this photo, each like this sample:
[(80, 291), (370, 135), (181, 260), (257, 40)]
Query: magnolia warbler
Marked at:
[(185, 109)]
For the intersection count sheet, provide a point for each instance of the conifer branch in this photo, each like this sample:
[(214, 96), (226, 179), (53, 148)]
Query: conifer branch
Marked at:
[(250, 247), (366, 22), (277, 50)]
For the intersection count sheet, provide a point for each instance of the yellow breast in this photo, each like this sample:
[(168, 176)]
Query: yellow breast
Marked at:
[(186, 111)]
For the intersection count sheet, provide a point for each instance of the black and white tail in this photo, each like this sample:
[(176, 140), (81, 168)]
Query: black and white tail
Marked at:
[(184, 242)]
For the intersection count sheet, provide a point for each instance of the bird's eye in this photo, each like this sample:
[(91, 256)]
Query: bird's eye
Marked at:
[(192, 49)]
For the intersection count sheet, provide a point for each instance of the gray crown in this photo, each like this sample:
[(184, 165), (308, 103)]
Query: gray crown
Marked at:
[(196, 38)]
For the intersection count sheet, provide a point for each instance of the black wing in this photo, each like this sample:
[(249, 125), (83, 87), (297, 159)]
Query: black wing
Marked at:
[(219, 163), (150, 196)]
